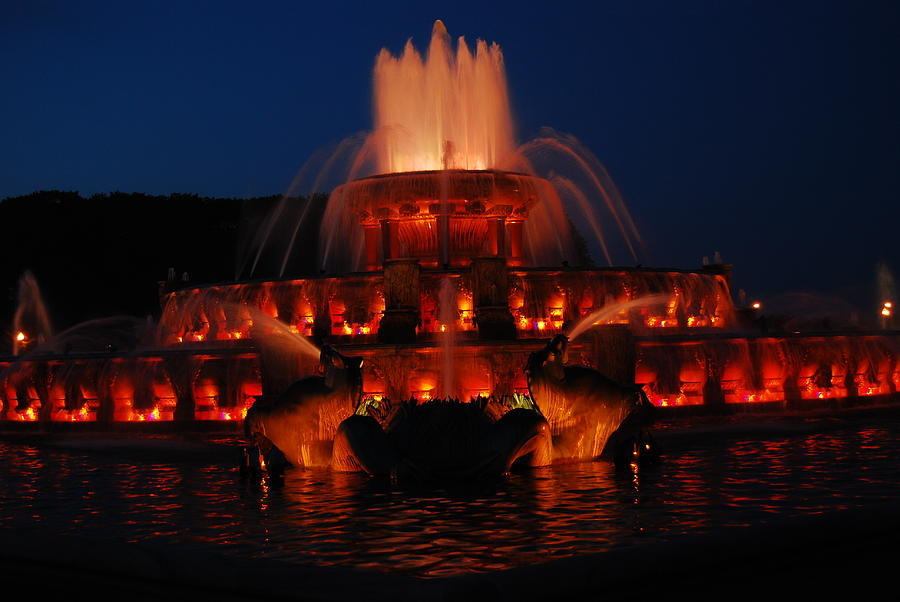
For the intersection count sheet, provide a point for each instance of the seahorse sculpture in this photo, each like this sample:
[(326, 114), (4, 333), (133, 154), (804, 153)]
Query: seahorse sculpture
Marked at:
[(589, 414)]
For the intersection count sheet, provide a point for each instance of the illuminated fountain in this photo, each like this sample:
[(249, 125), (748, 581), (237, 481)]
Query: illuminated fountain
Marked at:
[(447, 261)]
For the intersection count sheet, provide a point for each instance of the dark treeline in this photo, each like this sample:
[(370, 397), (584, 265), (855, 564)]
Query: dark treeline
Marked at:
[(104, 255)]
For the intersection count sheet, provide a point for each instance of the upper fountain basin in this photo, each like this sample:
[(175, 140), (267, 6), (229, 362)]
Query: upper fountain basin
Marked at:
[(440, 192)]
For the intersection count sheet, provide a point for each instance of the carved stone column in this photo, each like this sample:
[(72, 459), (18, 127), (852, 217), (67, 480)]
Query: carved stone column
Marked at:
[(320, 298), (182, 372), (401, 301), (792, 359), (497, 237), (371, 233), (390, 243), (713, 395), (284, 295), (514, 229), (490, 284)]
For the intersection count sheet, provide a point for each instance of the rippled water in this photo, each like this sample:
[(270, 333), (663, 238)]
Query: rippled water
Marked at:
[(345, 519)]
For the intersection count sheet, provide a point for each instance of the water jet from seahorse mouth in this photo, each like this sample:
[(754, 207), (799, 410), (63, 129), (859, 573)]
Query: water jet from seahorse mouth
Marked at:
[(609, 311)]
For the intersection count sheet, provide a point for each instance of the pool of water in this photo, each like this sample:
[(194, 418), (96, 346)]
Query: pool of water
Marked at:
[(327, 518)]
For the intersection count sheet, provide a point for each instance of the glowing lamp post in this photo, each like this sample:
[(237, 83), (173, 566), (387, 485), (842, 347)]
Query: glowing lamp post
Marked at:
[(887, 310)]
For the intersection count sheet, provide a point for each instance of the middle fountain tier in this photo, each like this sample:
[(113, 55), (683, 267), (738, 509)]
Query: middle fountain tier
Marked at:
[(449, 295)]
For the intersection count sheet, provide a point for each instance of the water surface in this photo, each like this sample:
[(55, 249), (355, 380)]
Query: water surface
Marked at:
[(327, 518)]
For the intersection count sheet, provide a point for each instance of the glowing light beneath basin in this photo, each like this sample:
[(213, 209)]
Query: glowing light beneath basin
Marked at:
[(27, 415)]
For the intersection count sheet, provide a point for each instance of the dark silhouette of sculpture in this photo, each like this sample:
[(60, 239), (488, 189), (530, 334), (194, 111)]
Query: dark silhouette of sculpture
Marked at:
[(444, 440)]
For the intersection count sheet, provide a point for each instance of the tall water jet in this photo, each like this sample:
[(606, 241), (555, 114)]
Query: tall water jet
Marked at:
[(447, 316), (31, 322)]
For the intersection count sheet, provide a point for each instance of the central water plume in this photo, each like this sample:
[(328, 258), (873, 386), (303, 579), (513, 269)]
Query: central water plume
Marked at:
[(446, 110)]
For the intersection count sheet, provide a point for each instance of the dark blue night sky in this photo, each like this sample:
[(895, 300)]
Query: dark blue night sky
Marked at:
[(768, 131)]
